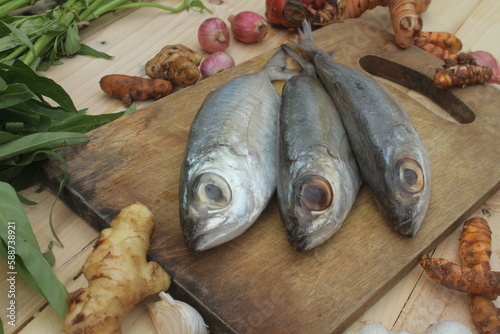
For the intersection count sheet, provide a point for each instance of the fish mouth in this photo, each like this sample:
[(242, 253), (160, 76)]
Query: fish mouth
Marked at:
[(409, 227), (300, 243), (303, 242), (202, 240)]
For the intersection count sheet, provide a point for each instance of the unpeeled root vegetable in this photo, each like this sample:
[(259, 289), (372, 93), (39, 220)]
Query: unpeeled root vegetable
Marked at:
[(172, 316), (176, 63), (444, 40), (118, 273), (448, 327), (130, 88), (461, 75), (406, 21), (475, 252), (248, 26), (404, 14), (461, 278)]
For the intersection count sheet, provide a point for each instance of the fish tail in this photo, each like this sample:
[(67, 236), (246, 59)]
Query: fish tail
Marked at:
[(306, 40), (307, 66)]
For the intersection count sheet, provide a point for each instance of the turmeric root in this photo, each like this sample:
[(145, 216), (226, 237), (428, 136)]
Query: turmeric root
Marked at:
[(118, 273), (475, 252), (485, 314), (404, 14), (444, 40), (130, 88), (435, 50), (460, 278), (475, 244), (461, 75), (176, 63)]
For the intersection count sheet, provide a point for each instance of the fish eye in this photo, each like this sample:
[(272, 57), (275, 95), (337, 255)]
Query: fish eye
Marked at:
[(411, 175), (210, 189), (314, 193)]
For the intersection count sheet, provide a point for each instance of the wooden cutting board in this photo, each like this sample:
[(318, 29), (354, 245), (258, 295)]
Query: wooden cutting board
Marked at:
[(258, 283)]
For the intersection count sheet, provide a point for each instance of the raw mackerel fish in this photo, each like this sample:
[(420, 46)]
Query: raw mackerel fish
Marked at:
[(229, 172), (392, 157), (318, 178)]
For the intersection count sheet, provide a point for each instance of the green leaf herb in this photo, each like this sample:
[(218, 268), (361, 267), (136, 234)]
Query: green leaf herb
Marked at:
[(30, 128), (40, 40), (20, 249)]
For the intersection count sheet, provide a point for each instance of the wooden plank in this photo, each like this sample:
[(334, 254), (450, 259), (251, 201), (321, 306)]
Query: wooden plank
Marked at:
[(258, 283)]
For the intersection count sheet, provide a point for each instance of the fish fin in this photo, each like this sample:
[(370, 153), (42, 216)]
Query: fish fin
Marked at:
[(277, 60), (306, 38), (276, 67), (307, 66)]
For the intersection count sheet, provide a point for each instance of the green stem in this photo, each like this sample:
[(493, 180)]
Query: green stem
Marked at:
[(114, 5), (41, 44), (183, 6), (14, 54), (103, 9), (9, 6), (89, 13)]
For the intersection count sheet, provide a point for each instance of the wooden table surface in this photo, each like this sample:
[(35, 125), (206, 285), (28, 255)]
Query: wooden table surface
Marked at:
[(133, 37)]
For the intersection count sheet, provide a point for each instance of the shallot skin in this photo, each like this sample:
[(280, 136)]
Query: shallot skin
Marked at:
[(215, 63), (248, 26), (213, 35)]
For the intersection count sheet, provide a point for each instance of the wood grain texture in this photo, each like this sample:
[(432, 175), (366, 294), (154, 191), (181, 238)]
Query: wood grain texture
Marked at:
[(257, 283)]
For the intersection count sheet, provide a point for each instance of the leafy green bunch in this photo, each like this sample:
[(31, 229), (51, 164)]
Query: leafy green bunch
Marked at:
[(40, 40), (30, 128)]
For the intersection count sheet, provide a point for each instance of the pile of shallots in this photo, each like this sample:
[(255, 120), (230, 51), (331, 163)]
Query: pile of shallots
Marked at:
[(214, 37)]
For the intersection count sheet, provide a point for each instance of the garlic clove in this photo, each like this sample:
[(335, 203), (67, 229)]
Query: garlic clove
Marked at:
[(448, 327), (172, 316)]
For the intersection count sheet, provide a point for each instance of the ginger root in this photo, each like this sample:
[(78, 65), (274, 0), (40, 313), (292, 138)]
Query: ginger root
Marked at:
[(176, 63), (118, 273), (131, 88)]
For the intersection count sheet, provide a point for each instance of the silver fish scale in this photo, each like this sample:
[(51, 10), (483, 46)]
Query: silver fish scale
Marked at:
[(230, 159), (318, 126), (381, 134), (370, 111), (313, 142), (239, 117)]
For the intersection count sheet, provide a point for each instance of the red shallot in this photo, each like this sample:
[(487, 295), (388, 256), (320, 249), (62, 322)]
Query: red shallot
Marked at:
[(248, 27), (485, 58), (215, 63), (213, 35)]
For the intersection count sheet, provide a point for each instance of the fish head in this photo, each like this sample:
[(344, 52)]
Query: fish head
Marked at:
[(407, 203), (215, 207), (314, 210)]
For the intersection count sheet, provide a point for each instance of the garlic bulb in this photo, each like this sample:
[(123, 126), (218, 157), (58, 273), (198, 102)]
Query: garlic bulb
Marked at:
[(448, 327), (172, 316)]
